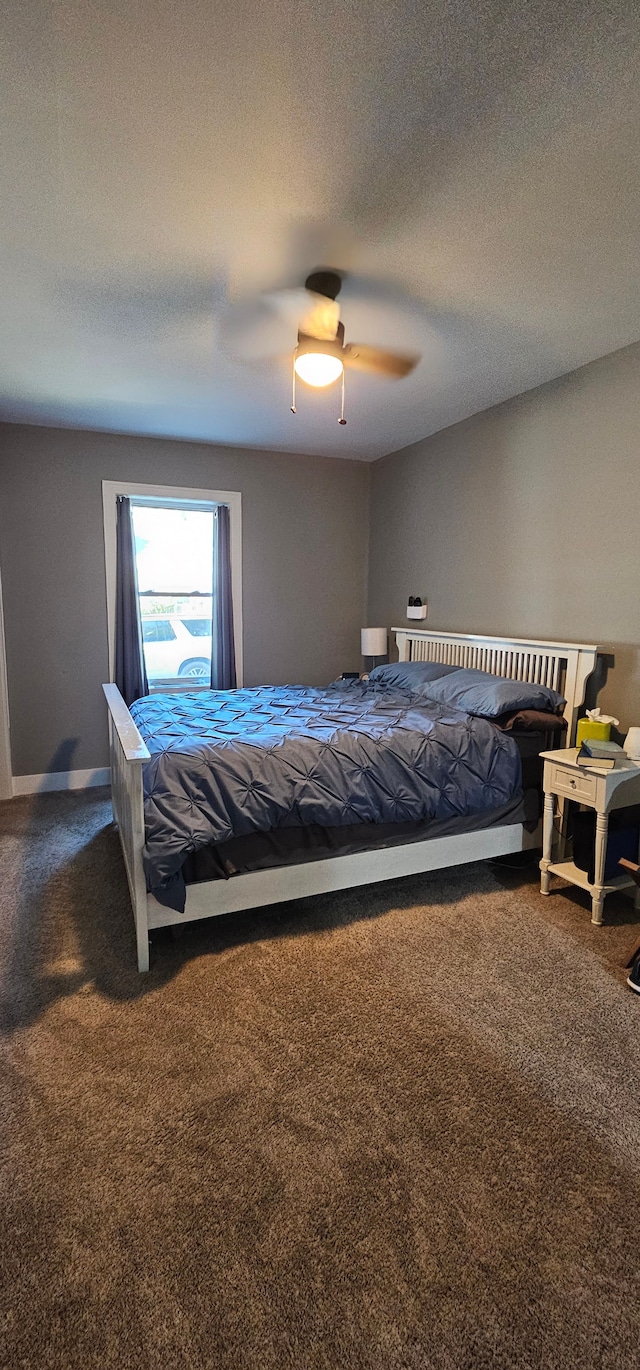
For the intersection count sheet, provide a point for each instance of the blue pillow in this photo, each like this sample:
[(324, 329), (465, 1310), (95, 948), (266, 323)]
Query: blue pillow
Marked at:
[(409, 675), (478, 692)]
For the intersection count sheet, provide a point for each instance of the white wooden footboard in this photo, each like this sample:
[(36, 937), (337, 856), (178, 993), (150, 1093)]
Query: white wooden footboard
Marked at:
[(128, 754)]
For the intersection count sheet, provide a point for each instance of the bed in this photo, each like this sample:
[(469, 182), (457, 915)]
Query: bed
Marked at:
[(448, 838)]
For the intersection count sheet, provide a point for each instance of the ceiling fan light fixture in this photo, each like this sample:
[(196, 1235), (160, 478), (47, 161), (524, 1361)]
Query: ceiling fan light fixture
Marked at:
[(318, 368)]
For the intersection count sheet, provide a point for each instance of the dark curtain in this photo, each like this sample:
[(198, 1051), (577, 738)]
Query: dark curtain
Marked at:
[(223, 652), (130, 673)]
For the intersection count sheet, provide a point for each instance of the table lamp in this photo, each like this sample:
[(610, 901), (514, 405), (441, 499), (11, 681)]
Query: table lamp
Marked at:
[(373, 643)]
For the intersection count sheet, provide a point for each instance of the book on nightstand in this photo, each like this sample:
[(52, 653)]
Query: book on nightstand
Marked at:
[(603, 755)]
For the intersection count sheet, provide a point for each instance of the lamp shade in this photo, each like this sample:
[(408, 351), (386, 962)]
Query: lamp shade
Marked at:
[(373, 641), (317, 368)]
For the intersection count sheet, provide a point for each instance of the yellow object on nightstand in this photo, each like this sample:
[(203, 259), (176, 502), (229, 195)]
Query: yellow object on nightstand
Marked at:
[(589, 727)]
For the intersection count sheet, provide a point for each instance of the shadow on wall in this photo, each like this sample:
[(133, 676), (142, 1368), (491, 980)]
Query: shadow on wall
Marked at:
[(605, 662), (596, 683)]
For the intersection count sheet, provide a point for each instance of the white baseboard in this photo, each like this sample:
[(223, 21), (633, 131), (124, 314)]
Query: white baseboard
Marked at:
[(61, 780)]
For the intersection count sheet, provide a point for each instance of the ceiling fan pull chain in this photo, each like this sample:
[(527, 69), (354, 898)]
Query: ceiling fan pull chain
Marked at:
[(342, 419), (293, 385)]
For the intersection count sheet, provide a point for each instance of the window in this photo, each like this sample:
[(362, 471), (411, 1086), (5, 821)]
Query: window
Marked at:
[(174, 540), (174, 561)]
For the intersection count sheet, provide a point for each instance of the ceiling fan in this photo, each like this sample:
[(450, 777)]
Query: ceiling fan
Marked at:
[(321, 353)]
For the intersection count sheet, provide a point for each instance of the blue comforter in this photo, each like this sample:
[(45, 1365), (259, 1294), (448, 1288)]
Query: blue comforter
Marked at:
[(225, 763)]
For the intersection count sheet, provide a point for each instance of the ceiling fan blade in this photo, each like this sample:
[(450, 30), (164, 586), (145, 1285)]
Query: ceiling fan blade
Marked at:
[(251, 331), (264, 326), (362, 357), (267, 325), (322, 318)]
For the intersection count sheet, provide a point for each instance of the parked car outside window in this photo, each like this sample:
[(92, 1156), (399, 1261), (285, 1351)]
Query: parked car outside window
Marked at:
[(175, 648), (158, 630)]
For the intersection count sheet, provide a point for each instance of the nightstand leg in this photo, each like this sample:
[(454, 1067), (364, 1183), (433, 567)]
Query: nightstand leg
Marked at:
[(597, 911), (562, 813), (547, 840), (597, 898)]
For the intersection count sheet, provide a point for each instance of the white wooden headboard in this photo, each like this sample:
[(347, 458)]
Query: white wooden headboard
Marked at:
[(565, 666)]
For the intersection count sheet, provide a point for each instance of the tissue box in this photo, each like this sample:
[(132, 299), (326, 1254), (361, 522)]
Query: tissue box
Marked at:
[(589, 727)]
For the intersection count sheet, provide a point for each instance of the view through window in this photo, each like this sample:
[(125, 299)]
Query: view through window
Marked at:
[(174, 559)]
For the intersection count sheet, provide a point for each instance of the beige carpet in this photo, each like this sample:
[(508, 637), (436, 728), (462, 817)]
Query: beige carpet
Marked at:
[(393, 1129)]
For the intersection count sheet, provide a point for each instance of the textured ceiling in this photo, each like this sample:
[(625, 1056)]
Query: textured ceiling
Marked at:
[(481, 161)]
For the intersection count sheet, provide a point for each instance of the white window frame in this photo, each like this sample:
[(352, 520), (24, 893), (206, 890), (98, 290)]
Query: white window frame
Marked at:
[(167, 495)]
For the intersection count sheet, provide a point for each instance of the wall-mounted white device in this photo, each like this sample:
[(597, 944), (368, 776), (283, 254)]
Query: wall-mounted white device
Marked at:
[(415, 607)]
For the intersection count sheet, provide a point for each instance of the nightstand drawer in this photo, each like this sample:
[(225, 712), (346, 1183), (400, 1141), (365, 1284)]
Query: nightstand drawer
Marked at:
[(581, 787)]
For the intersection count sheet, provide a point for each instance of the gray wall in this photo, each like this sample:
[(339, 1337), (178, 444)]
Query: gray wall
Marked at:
[(304, 572), (524, 520), (520, 520)]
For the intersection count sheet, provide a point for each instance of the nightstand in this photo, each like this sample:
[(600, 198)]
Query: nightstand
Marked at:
[(599, 790)]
